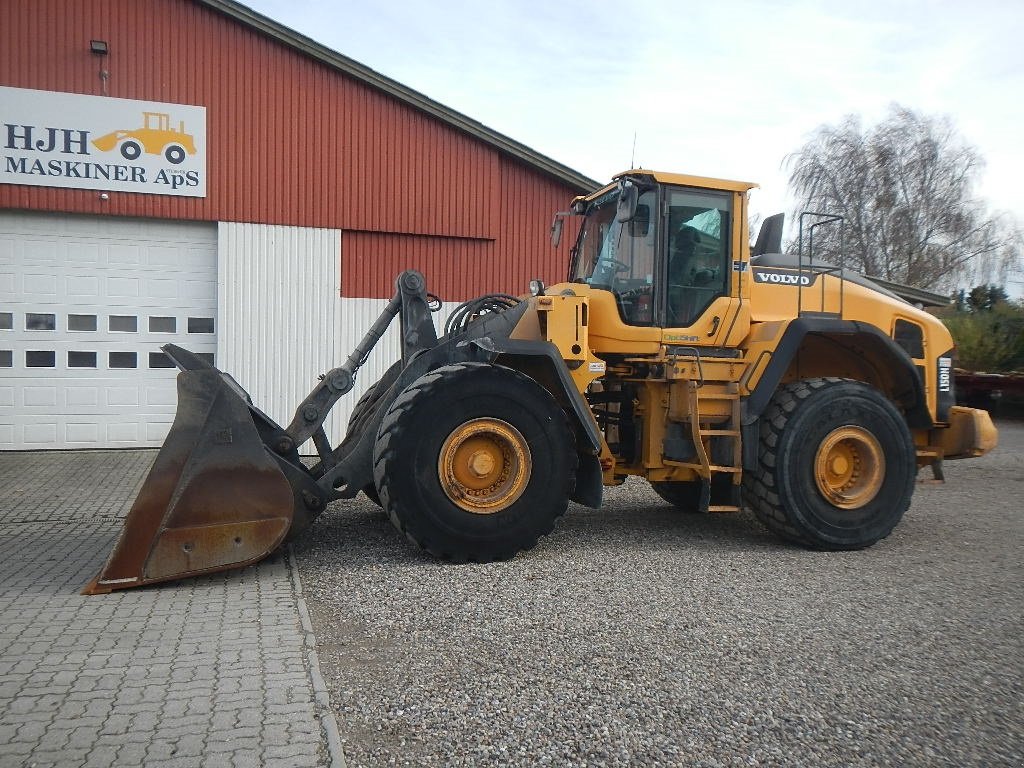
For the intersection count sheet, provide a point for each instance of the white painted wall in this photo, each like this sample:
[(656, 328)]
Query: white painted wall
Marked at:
[(282, 322)]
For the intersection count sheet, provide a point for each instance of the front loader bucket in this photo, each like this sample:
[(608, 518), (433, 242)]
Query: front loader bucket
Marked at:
[(215, 498)]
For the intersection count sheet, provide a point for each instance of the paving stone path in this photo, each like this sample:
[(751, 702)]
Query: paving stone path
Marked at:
[(218, 671)]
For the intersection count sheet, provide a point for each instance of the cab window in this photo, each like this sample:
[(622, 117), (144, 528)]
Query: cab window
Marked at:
[(620, 257), (699, 231)]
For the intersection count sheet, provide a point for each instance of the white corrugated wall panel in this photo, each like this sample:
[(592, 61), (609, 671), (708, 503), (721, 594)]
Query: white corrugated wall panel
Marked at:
[(278, 312), (281, 322), (357, 315)]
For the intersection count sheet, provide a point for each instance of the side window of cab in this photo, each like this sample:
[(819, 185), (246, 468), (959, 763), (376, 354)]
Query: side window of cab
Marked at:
[(699, 248)]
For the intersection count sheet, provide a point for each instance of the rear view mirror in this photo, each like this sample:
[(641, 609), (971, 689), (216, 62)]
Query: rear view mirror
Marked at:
[(556, 229), (640, 224), (628, 196)]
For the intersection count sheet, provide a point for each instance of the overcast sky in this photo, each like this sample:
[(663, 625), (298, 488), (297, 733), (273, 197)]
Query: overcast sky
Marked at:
[(725, 89)]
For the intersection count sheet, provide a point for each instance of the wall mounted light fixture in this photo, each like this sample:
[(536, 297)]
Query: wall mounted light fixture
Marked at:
[(101, 48)]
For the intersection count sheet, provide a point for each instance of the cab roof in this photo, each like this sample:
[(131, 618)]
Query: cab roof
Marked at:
[(681, 179)]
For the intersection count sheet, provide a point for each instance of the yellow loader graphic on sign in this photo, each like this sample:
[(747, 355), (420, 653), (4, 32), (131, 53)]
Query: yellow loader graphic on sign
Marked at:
[(156, 137)]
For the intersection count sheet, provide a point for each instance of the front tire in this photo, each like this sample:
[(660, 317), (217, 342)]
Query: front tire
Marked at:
[(363, 410), (836, 465), (474, 462)]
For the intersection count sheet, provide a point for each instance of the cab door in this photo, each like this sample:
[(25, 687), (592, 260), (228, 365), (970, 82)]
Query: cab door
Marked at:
[(703, 267)]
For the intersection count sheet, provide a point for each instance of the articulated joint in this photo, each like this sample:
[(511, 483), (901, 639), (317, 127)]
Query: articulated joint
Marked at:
[(339, 380), (412, 282)]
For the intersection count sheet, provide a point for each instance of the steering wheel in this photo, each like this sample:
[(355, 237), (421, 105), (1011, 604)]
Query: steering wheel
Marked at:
[(605, 270)]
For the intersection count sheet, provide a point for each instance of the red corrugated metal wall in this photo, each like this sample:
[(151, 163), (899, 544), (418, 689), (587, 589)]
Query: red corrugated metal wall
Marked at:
[(293, 141), (459, 268)]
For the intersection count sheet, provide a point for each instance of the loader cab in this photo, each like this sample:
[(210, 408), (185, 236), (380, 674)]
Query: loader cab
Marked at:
[(664, 250)]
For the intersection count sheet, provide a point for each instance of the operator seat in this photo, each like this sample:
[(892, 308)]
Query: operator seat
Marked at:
[(682, 275)]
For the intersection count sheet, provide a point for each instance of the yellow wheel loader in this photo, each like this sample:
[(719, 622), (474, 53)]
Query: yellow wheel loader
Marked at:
[(722, 376)]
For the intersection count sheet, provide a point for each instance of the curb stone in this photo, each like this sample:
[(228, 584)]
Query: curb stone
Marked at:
[(328, 722)]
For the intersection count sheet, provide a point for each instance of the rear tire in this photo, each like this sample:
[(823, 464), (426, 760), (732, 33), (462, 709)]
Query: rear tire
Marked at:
[(836, 465), (474, 462)]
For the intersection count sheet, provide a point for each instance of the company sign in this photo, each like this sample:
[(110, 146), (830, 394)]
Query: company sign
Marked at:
[(50, 139)]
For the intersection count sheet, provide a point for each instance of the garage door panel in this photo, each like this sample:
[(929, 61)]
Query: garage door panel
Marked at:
[(42, 252), (123, 287), (162, 396), (81, 285), (41, 285), (120, 397), (124, 255), (126, 433), (156, 432), (170, 256), (40, 397), (194, 257), (79, 397), (162, 289), (115, 290), (194, 289), (87, 433), (40, 434), (83, 255)]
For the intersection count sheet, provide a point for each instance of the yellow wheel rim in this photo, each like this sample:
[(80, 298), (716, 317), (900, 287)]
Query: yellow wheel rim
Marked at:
[(849, 467), (484, 466)]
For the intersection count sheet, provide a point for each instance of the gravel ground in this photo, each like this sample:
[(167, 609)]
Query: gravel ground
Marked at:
[(636, 635)]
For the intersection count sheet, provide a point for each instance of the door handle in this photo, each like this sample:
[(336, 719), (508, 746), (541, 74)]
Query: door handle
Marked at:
[(714, 325)]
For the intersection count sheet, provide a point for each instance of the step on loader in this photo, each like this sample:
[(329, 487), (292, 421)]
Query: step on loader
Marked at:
[(725, 376)]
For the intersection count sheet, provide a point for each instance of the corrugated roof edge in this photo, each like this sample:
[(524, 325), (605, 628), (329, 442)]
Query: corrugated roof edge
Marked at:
[(415, 99), (913, 294)]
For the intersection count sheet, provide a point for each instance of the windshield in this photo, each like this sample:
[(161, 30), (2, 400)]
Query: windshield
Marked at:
[(619, 256)]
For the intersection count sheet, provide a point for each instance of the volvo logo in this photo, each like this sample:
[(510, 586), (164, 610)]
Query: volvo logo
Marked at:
[(783, 277)]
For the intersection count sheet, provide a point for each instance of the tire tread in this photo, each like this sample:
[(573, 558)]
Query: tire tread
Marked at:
[(758, 485), (392, 433)]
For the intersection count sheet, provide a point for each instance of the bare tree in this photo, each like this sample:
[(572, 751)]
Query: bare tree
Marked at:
[(904, 188)]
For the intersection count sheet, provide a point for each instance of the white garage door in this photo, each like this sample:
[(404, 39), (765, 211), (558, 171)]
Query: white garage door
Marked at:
[(85, 304)]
